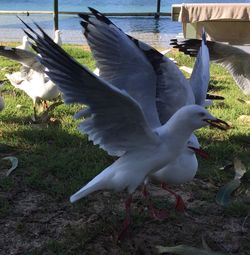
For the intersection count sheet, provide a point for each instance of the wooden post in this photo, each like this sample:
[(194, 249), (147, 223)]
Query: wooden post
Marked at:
[(158, 10), (55, 15)]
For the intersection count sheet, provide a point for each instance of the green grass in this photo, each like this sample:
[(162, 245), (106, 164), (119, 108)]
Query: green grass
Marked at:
[(57, 160)]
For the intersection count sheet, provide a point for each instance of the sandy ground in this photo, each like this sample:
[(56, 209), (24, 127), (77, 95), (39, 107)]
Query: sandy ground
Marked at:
[(91, 226)]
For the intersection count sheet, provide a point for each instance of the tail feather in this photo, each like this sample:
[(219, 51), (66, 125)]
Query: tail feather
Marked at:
[(86, 190)]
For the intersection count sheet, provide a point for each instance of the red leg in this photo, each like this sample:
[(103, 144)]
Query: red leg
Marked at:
[(127, 220), (45, 105), (153, 212), (180, 205)]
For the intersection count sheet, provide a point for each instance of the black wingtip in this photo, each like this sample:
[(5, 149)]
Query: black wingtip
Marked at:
[(84, 16), (173, 40), (84, 24), (29, 35), (26, 25), (204, 35), (100, 16), (214, 97)]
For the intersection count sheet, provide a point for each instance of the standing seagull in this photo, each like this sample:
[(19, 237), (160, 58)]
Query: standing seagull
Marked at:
[(25, 44), (235, 60), (57, 38), (31, 78), (142, 150)]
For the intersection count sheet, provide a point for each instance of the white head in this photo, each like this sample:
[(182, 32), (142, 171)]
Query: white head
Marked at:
[(25, 44), (196, 117), (25, 39), (58, 33)]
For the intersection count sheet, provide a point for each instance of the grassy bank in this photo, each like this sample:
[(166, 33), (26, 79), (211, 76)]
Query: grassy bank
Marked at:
[(55, 160)]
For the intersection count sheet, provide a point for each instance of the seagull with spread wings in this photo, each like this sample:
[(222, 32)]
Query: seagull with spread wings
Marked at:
[(117, 123), (119, 60)]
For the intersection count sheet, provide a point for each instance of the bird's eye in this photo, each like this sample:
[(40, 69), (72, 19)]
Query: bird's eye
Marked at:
[(202, 114)]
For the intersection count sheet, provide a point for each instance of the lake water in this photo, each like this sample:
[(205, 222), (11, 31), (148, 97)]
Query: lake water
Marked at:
[(156, 32)]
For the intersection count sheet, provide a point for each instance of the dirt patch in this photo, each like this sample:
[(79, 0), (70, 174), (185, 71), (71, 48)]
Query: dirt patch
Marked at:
[(37, 224)]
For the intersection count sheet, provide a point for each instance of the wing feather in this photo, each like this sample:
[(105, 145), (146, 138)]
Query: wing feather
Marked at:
[(115, 120)]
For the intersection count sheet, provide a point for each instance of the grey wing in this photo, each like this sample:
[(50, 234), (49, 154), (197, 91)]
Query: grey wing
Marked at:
[(201, 74), (121, 63), (26, 58), (172, 88), (235, 60), (115, 120)]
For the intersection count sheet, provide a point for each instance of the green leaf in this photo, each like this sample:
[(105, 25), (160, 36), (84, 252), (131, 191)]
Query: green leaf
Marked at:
[(185, 250), (224, 194), (14, 164), (239, 168)]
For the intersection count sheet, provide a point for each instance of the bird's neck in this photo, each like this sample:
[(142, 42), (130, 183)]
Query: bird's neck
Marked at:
[(178, 131)]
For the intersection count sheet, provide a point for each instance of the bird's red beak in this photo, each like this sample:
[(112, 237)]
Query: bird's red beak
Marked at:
[(200, 152), (218, 123)]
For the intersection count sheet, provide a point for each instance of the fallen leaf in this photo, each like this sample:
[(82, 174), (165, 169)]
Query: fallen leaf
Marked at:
[(244, 118), (186, 69), (14, 164), (224, 194), (185, 250), (244, 101), (227, 166), (239, 168)]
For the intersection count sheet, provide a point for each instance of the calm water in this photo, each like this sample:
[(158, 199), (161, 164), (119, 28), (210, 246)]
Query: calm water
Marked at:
[(146, 28), (102, 5)]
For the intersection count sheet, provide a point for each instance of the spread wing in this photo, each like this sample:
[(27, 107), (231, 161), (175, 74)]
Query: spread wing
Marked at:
[(26, 58), (115, 120), (234, 59), (122, 59), (121, 63), (172, 88), (201, 73)]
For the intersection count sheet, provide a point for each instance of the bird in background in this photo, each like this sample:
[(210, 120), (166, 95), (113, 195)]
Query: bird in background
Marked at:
[(25, 44), (235, 60), (57, 37), (31, 78)]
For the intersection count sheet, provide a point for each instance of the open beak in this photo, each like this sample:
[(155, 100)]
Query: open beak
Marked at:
[(199, 151), (218, 123)]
